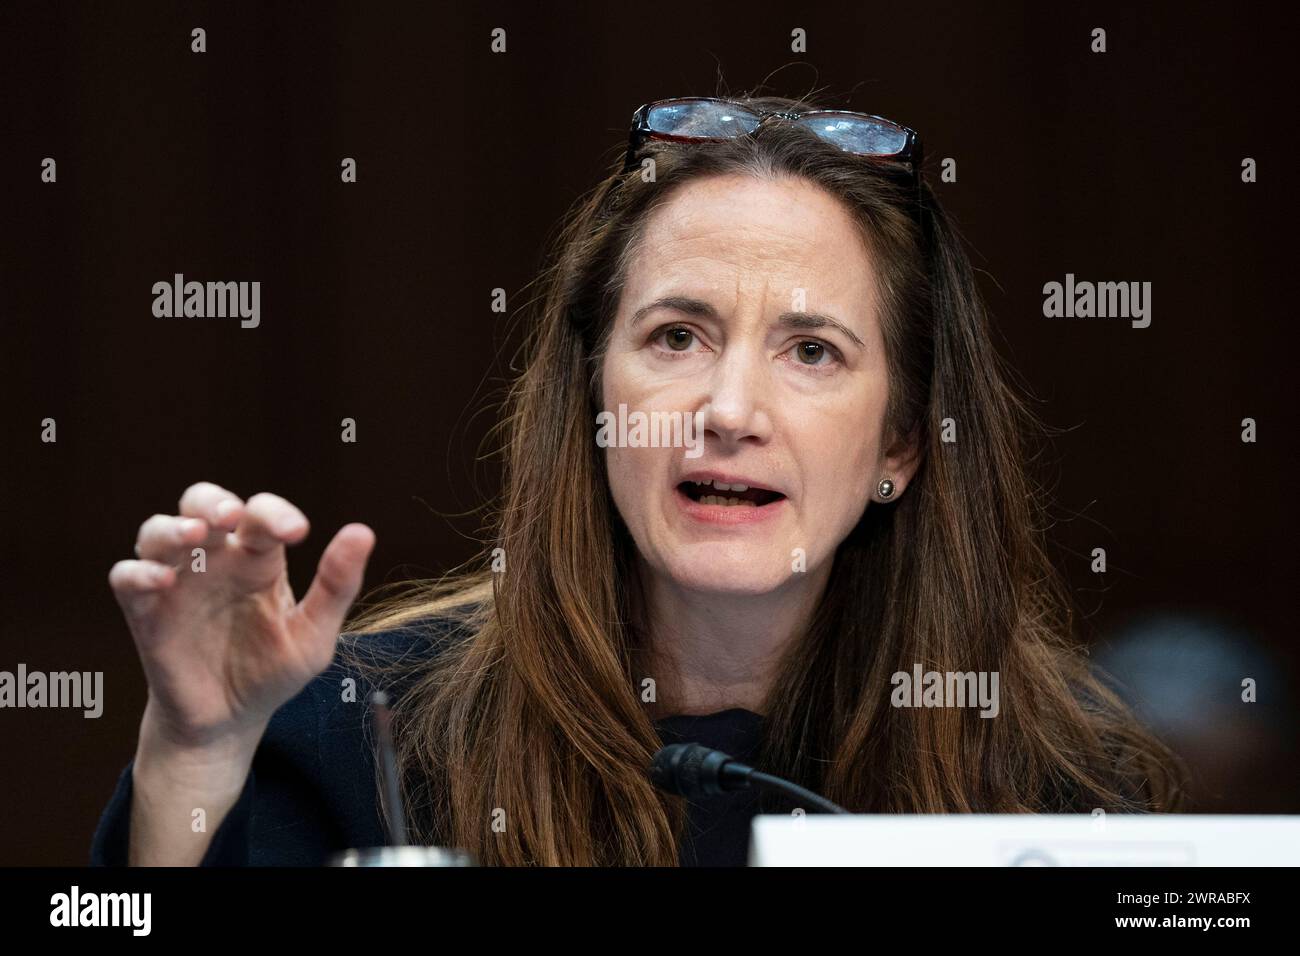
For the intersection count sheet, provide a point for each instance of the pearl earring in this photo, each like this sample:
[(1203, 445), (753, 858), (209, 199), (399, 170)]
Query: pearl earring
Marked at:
[(885, 489)]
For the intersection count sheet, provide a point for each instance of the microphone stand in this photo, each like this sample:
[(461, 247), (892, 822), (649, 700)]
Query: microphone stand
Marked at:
[(398, 852)]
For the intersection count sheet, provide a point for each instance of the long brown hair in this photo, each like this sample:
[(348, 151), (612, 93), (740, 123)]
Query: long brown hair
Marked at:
[(532, 719)]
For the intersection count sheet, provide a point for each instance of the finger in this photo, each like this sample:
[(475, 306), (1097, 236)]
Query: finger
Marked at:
[(135, 581), (338, 579), (269, 521), (164, 537), (214, 504)]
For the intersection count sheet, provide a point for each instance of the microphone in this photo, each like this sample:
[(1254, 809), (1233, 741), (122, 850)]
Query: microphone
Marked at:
[(394, 815), (693, 770), (399, 851)]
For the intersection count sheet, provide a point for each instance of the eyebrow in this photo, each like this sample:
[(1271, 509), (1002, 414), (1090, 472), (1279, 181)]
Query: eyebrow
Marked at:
[(789, 320)]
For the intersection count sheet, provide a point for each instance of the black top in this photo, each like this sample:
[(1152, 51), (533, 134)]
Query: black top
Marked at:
[(311, 790)]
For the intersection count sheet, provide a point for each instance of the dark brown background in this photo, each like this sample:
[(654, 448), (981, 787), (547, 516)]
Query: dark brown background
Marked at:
[(375, 296)]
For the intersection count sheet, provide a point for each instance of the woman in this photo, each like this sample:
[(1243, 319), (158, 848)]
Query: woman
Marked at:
[(853, 510)]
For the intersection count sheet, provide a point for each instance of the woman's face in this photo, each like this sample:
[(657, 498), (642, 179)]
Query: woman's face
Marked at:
[(755, 303)]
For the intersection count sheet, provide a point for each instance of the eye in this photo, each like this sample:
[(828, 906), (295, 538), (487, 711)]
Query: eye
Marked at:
[(816, 354), (677, 339)]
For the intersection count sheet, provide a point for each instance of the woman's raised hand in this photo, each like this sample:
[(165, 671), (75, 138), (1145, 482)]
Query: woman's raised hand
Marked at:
[(222, 640)]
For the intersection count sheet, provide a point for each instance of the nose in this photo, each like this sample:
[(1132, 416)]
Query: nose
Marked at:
[(735, 408)]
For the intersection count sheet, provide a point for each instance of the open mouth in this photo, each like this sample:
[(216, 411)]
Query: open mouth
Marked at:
[(710, 492)]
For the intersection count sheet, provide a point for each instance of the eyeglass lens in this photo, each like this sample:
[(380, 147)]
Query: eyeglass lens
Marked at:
[(712, 119), (702, 118), (857, 134)]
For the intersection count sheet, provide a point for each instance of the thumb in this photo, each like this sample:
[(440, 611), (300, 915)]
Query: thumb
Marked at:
[(338, 579)]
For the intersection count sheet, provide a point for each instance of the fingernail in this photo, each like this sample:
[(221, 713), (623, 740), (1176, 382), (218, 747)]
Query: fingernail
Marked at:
[(225, 509)]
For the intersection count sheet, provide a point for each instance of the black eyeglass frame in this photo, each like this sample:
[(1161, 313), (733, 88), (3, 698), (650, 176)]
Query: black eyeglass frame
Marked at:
[(909, 156)]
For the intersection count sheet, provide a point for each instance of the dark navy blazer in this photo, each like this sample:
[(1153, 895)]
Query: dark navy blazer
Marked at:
[(311, 791)]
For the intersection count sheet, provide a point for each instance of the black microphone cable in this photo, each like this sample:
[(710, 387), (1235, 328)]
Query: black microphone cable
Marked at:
[(690, 770)]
